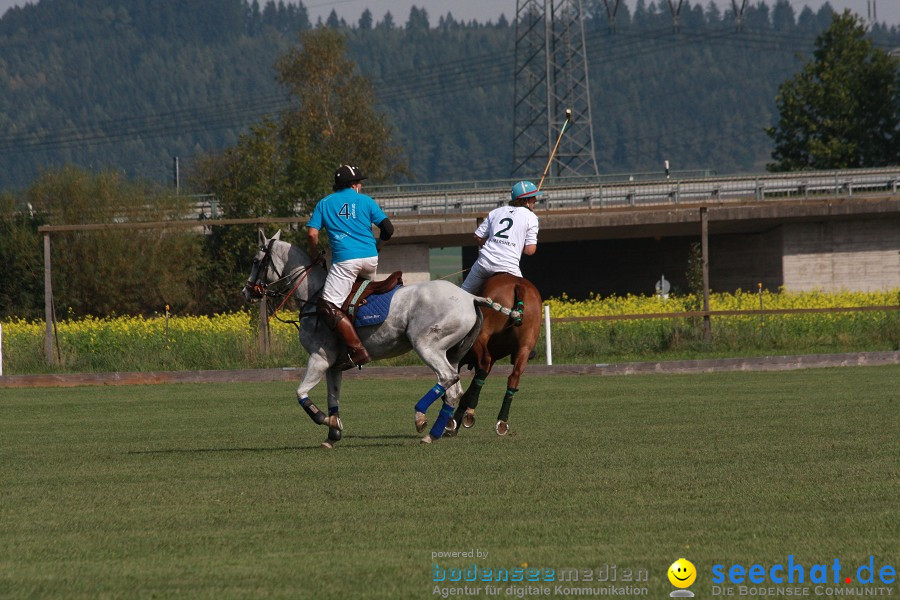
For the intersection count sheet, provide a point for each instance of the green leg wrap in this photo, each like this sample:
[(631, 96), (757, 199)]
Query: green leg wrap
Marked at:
[(470, 398), (507, 400)]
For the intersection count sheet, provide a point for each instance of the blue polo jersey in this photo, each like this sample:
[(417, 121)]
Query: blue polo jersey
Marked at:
[(347, 216)]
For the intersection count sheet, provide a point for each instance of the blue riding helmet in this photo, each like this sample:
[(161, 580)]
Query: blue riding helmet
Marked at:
[(525, 191)]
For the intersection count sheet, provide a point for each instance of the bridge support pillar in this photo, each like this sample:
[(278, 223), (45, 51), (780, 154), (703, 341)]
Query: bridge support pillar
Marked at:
[(859, 255), (412, 259)]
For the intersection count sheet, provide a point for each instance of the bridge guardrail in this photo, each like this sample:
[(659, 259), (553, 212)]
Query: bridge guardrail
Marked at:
[(562, 194), (444, 200)]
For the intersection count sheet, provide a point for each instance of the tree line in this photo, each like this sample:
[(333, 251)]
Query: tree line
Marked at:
[(276, 169), (130, 86), (328, 112)]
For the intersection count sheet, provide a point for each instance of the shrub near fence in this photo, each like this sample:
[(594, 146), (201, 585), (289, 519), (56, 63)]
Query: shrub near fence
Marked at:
[(229, 341)]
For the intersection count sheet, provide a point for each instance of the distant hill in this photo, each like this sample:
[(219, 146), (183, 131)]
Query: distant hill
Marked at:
[(131, 84)]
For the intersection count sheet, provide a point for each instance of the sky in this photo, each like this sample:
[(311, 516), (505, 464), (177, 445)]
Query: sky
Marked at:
[(888, 11)]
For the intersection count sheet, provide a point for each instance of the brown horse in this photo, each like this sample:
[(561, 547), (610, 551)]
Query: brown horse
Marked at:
[(501, 336)]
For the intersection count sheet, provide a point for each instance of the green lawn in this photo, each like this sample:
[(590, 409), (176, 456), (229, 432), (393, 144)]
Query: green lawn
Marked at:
[(446, 263), (222, 491)]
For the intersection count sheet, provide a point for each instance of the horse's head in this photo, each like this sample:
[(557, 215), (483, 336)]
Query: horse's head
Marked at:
[(263, 271), (279, 269)]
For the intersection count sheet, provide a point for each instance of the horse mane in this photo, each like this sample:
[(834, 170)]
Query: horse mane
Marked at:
[(292, 251), (295, 249)]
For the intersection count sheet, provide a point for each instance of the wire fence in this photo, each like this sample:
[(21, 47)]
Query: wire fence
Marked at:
[(706, 315)]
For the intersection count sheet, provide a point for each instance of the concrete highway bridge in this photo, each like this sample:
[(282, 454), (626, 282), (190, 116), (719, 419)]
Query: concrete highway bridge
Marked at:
[(826, 229)]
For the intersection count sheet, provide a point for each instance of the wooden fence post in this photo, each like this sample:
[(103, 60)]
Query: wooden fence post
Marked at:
[(49, 317), (704, 261)]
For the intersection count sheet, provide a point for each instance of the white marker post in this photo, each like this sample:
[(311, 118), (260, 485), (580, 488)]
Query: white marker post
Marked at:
[(547, 334)]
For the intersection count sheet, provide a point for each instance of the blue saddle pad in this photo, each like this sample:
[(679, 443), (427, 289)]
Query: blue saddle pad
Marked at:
[(375, 310)]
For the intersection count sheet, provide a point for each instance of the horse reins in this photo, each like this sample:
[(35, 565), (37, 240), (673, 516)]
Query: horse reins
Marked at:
[(264, 291)]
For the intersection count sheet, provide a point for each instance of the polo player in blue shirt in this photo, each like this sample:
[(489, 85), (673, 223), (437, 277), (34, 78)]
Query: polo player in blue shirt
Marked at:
[(347, 216)]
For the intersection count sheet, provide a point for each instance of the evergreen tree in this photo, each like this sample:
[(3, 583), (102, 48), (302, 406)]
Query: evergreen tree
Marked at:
[(418, 20), (128, 85), (783, 16), (365, 20), (387, 22), (333, 20), (843, 109)]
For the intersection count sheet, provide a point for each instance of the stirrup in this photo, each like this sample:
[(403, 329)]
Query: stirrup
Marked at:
[(359, 356), (346, 362)]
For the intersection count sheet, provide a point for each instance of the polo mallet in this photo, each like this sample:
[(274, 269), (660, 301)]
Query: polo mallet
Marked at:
[(558, 140)]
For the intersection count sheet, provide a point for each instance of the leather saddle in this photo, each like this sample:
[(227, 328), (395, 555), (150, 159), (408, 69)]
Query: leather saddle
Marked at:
[(363, 288)]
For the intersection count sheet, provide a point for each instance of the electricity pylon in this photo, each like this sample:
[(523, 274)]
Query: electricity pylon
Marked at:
[(551, 76)]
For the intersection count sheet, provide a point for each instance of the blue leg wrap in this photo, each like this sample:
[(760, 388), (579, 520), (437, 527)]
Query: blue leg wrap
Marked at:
[(428, 399), (332, 410), (437, 430)]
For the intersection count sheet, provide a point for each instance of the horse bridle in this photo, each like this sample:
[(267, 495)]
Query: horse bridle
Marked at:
[(260, 268), (264, 291)]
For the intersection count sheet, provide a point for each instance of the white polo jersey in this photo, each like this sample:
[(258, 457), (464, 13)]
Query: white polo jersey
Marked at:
[(508, 230)]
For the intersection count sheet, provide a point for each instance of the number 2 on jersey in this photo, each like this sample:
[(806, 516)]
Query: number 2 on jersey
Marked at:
[(502, 232)]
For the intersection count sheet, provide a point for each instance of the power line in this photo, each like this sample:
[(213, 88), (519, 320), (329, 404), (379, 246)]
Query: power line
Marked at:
[(183, 121)]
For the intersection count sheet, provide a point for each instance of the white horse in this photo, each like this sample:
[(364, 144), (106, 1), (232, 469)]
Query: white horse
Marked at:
[(437, 319)]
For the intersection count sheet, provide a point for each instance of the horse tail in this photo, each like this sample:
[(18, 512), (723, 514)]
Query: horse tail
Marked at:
[(456, 353), (514, 313)]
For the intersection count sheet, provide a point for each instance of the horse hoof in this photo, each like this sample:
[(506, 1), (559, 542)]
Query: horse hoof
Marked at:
[(427, 439), (451, 428), (502, 428), (334, 422), (327, 444), (468, 419), (421, 422)]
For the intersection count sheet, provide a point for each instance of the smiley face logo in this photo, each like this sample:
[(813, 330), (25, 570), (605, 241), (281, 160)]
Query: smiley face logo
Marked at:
[(682, 573)]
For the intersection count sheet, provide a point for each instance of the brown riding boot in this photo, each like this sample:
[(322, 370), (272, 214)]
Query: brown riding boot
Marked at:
[(336, 320), (357, 355)]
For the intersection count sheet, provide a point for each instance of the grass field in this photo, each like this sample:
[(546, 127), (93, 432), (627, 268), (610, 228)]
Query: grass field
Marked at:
[(446, 263), (221, 491)]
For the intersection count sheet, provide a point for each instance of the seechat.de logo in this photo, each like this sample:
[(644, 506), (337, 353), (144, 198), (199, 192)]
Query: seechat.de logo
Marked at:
[(793, 572), (682, 574)]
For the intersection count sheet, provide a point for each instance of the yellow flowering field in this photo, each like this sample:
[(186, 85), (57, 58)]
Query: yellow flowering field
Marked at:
[(229, 341), (739, 300), (136, 343)]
